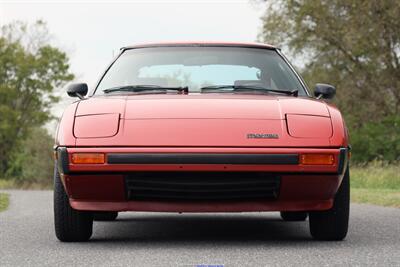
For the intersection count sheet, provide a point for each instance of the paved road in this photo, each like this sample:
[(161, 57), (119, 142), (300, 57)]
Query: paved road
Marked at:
[(154, 239)]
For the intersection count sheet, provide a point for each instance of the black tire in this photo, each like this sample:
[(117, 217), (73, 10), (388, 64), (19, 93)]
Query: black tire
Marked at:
[(294, 216), (70, 225), (105, 216), (333, 223)]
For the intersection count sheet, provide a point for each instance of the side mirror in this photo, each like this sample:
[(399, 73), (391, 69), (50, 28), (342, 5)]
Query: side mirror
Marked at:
[(77, 90), (324, 91)]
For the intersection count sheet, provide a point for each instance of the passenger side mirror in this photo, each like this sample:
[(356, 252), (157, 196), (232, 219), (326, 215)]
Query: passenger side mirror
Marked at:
[(325, 91), (77, 90)]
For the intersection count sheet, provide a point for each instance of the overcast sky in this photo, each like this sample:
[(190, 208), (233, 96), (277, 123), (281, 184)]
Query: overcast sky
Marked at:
[(91, 32)]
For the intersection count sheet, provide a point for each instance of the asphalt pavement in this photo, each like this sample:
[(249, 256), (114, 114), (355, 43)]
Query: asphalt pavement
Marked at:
[(164, 239)]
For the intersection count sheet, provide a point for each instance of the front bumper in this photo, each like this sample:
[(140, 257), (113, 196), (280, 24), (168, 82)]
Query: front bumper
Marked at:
[(102, 187)]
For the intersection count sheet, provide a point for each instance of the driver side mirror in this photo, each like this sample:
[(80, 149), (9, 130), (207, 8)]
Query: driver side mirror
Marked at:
[(325, 91), (77, 90)]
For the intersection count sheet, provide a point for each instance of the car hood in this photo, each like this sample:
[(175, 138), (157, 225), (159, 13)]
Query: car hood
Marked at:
[(202, 120), (212, 106)]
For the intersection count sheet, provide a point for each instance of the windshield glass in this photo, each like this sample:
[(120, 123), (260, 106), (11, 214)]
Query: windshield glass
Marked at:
[(197, 67)]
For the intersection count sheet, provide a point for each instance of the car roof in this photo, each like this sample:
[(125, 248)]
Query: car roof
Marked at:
[(201, 43)]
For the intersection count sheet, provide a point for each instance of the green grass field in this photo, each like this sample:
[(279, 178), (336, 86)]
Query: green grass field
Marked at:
[(3, 201), (12, 184), (376, 183), (7, 184), (382, 197)]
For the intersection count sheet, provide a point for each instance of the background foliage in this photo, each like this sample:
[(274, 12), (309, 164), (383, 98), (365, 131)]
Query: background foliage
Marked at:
[(32, 163), (354, 45), (30, 70)]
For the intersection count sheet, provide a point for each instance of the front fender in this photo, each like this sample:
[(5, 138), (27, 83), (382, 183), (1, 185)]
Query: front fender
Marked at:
[(339, 137), (65, 130)]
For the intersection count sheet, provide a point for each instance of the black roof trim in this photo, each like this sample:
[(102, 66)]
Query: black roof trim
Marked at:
[(245, 45)]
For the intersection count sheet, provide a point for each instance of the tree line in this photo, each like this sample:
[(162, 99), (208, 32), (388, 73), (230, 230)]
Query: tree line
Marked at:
[(354, 45), (30, 71)]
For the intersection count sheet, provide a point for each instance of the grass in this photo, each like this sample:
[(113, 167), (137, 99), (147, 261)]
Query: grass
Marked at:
[(382, 197), (376, 183), (3, 201), (12, 184), (7, 184), (376, 174)]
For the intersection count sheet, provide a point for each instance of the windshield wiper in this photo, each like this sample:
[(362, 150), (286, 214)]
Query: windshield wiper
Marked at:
[(244, 88), (141, 88)]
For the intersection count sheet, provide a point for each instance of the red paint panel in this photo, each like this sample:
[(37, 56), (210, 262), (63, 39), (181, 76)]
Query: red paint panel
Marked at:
[(65, 132), (201, 167), (298, 192), (94, 126), (306, 106), (173, 109), (239, 206), (217, 133), (339, 137), (96, 187), (197, 105), (101, 105), (302, 187), (201, 132), (304, 126), (198, 108), (203, 120)]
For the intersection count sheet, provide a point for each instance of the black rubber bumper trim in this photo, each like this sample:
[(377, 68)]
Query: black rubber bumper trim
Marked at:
[(189, 158), (62, 160), (343, 160)]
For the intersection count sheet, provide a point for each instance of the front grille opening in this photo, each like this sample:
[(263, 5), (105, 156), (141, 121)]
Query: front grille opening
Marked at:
[(197, 186)]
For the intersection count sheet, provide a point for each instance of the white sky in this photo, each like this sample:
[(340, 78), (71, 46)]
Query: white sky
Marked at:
[(91, 32)]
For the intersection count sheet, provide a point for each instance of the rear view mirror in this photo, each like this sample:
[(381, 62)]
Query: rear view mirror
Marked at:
[(77, 90), (325, 91)]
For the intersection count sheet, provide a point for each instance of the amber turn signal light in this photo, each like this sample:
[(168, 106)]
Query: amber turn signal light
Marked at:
[(317, 159), (88, 158)]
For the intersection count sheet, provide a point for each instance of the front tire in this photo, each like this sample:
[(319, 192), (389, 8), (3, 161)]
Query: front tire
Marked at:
[(293, 216), (333, 223), (70, 225)]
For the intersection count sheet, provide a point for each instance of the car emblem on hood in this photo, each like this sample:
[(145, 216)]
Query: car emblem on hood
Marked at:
[(262, 136)]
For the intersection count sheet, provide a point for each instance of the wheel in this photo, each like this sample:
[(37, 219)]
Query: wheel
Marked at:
[(333, 223), (105, 216), (70, 225), (293, 215)]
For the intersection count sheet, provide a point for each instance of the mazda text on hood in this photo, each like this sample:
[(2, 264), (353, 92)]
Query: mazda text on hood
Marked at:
[(201, 127)]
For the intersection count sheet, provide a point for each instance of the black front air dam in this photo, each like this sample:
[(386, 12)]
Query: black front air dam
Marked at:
[(189, 158)]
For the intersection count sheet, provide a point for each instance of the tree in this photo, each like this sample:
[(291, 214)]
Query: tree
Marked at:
[(32, 164), (30, 71), (353, 44)]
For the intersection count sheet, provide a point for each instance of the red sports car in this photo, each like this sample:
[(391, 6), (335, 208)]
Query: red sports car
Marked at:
[(201, 127)]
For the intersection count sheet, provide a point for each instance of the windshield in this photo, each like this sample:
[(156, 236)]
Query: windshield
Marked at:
[(199, 67)]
